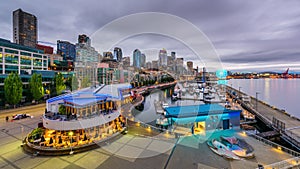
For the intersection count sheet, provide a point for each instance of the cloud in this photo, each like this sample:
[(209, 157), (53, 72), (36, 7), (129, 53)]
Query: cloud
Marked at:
[(248, 32)]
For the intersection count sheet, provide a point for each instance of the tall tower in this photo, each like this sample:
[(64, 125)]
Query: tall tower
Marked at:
[(118, 54), (162, 56), (24, 28), (137, 58)]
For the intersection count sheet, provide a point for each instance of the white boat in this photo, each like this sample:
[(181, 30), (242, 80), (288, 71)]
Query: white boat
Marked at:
[(220, 149), (165, 105)]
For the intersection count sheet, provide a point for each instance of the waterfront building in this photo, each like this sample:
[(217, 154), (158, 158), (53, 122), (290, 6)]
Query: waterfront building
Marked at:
[(108, 75), (67, 50), (137, 58), (46, 49), (24, 28), (118, 54), (204, 117), (86, 60), (162, 56), (85, 117), (20, 59), (126, 62)]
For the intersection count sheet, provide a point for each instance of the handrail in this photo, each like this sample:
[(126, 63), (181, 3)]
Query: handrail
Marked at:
[(275, 145), (288, 163)]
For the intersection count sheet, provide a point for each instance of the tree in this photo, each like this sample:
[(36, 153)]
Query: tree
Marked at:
[(59, 83), (85, 82), (74, 83), (13, 89), (36, 86)]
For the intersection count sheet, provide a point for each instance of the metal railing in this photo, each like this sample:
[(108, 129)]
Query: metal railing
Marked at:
[(289, 163), (275, 145)]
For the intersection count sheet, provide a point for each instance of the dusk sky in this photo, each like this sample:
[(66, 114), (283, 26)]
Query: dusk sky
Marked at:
[(248, 35)]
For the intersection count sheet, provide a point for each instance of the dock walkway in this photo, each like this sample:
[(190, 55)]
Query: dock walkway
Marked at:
[(287, 125)]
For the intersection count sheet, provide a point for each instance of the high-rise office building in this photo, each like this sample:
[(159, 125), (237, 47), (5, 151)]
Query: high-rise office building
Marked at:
[(162, 56), (143, 60), (189, 66), (67, 50), (87, 59), (154, 64), (24, 28), (126, 62), (137, 58), (118, 54), (108, 55)]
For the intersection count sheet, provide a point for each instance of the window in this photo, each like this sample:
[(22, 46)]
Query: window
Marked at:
[(11, 51)]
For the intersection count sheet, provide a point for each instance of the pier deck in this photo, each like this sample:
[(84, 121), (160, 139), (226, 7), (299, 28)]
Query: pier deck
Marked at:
[(277, 119)]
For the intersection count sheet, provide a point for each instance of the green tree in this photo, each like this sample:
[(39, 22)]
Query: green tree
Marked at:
[(85, 82), (59, 83), (36, 86), (13, 89)]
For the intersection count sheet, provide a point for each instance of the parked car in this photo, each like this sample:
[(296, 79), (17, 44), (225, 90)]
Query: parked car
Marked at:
[(21, 116)]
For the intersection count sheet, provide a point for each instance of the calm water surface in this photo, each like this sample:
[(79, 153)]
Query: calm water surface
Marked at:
[(281, 93)]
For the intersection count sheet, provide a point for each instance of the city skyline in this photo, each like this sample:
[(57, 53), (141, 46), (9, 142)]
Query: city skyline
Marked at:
[(248, 36)]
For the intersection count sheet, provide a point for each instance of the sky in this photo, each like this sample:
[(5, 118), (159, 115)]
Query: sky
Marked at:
[(246, 35)]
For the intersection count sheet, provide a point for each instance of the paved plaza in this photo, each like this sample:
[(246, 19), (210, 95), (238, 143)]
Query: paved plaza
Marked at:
[(140, 148)]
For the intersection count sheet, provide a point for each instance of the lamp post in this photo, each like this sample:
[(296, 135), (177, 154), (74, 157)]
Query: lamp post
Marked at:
[(71, 134), (256, 94), (22, 131), (240, 92)]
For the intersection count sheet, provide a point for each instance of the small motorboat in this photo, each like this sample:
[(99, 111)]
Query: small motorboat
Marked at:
[(220, 149)]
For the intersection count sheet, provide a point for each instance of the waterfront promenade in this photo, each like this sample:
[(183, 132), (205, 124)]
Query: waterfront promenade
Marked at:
[(284, 123)]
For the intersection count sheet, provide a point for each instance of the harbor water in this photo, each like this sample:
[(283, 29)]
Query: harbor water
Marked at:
[(281, 93)]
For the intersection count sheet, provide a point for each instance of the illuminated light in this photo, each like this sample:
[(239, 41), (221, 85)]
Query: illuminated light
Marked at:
[(71, 133), (279, 148)]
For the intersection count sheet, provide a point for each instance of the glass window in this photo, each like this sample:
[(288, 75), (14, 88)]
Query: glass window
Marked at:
[(25, 53), (10, 69), (25, 60), (38, 56), (11, 51), (1, 58)]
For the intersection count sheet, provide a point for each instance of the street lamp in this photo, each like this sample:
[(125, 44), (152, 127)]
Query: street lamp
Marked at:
[(22, 131), (71, 134), (240, 92), (256, 94)]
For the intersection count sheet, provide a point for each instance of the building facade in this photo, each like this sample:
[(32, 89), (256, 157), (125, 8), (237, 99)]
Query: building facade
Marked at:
[(190, 65), (126, 62), (67, 50), (162, 56), (118, 54), (46, 49), (137, 58), (143, 60), (24, 28), (87, 59)]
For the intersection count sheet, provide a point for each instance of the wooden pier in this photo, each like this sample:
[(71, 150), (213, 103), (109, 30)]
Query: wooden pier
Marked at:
[(287, 125)]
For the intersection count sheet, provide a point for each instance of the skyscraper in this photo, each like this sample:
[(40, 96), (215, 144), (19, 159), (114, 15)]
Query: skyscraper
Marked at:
[(126, 62), (87, 59), (67, 50), (24, 28), (162, 56), (137, 58), (143, 60), (189, 65), (118, 54)]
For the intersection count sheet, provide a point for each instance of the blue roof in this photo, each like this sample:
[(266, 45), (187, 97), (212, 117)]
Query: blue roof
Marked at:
[(197, 110)]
